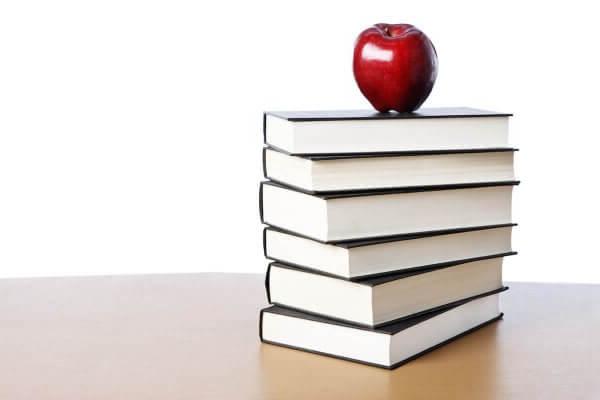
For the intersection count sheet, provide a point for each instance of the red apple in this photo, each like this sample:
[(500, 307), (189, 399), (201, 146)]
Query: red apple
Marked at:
[(395, 66)]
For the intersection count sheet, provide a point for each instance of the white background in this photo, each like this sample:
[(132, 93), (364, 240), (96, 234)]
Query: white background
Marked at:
[(130, 131)]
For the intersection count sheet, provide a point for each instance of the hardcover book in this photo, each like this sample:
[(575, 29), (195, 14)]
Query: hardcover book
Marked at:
[(370, 214), (367, 258), (388, 170), (389, 346), (381, 300), (367, 131)]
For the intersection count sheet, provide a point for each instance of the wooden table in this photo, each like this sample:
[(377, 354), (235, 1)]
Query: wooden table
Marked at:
[(196, 337)]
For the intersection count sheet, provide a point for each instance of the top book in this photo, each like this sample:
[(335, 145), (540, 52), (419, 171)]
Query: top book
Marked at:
[(366, 131)]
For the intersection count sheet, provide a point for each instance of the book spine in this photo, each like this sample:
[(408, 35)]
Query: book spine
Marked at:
[(260, 203), (264, 128), (264, 162), (260, 325), (268, 283), (265, 242)]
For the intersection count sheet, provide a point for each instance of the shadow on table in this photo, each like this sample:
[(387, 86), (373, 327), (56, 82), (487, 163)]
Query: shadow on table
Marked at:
[(469, 362)]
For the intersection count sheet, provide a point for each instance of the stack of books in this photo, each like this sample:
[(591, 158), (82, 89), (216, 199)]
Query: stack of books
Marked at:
[(387, 231)]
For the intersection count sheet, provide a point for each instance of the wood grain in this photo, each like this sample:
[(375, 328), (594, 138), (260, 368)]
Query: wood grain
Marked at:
[(195, 337)]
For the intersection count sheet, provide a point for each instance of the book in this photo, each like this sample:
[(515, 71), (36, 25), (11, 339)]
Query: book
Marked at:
[(387, 347), (389, 170), (366, 131), (366, 258), (379, 213), (381, 300)]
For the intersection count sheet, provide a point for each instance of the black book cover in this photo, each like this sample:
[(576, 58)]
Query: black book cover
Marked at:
[(343, 156), (389, 329), (377, 192), (346, 115)]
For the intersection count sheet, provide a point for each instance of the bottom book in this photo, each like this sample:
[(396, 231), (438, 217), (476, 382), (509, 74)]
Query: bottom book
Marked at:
[(389, 346)]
